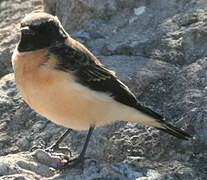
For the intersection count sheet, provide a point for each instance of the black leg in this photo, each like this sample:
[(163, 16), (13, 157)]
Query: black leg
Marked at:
[(80, 159), (90, 131), (55, 145)]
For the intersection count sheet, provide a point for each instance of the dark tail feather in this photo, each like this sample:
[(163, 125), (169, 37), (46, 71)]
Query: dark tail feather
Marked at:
[(168, 128)]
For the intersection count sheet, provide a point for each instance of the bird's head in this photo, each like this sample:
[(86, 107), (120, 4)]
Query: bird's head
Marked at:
[(40, 30)]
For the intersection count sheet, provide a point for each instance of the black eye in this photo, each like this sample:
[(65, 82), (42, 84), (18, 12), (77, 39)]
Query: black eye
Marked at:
[(34, 28), (47, 28)]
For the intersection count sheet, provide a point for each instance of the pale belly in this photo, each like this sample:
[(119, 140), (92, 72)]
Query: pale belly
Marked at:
[(69, 104)]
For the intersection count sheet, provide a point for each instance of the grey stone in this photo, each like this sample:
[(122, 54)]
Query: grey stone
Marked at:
[(55, 161), (4, 169), (14, 177), (133, 48), (102, 10), (102, 171), (23, 143), (181, 39), (87, 35)]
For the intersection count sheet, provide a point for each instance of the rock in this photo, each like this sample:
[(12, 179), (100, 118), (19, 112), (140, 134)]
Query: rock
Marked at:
[(55, 161), (23, 166), (23, 143), (133, 48), (194, 41), (87, 35), (139, 10), (102, 10), (50, 6), (27, 167), (4, 169), (4, 138), (154, 175), (181, 39)]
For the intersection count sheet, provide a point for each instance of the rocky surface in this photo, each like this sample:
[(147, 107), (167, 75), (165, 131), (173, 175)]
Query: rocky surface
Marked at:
[(158, 48)]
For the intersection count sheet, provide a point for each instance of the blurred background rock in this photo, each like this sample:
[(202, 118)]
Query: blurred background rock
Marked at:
[(158, 48)]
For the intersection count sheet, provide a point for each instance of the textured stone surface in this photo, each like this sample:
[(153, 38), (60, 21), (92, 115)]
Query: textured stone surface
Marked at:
[(158, 48), (27, 166)]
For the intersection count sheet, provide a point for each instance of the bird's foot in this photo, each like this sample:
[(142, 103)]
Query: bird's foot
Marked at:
[(56, 148), (53, 149)]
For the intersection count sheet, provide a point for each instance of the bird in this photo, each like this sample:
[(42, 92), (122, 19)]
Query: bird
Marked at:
[(63, 81)]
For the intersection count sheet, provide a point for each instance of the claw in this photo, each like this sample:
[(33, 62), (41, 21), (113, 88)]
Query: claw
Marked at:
[(54, 148)]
